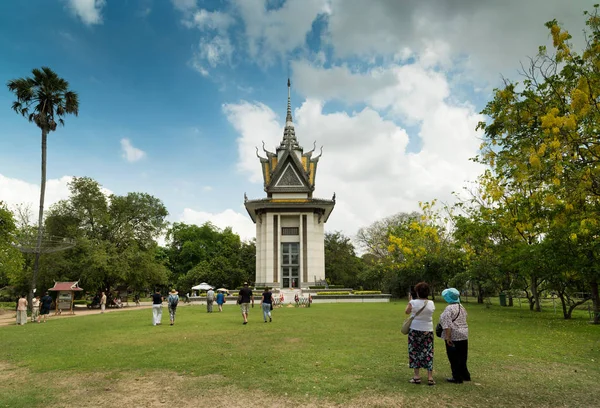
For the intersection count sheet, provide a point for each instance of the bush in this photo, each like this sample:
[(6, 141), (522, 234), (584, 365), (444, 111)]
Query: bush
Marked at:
[(367, 292), (333, 293), (82, 302)]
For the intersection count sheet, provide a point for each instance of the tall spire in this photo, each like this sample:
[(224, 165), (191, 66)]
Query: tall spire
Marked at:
[(289, 134), (288, 118)]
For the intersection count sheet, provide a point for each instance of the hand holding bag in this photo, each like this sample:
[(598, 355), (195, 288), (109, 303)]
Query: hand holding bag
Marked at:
[(406, 325)]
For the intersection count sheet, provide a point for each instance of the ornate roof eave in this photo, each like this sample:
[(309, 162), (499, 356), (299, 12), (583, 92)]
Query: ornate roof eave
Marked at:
[(322, 206), (281, 164)]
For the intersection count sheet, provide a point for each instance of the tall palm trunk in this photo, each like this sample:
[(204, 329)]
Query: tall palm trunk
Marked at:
[(38, 246)]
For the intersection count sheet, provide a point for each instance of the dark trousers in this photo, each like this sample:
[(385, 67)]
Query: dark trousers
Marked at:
[(457, 356)]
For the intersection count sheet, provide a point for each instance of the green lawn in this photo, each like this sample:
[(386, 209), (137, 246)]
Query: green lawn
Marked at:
[(326, 355)]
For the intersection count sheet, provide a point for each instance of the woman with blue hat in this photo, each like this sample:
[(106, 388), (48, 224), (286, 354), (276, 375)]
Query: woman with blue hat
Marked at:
[(456, 335)]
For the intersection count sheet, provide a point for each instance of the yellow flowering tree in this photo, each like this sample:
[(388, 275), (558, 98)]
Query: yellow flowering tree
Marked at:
[(421, 248), (542, 143)]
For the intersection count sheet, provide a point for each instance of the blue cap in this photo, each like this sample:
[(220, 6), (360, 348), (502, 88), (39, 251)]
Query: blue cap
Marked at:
[(451, 295)]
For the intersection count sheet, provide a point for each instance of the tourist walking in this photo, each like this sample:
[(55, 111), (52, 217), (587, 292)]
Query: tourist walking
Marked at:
[(35, 309), (456, 335), (220, 300), (420, 335), (22, 310), (46, 304), (210, 298), (102, 302), (157, 300), (173, 301), (267, 304), (244, 298)]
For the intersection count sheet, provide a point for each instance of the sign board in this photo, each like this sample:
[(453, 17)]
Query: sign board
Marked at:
[(64, 300)]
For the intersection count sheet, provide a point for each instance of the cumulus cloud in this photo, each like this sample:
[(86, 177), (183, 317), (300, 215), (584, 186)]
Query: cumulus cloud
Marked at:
[(241, 224), (15, 192), (491, 36), (273, 32), (130, 152), (210, 53), (366, 160), (88, 11)]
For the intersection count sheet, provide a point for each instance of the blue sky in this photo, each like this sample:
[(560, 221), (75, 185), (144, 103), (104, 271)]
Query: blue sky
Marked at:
[(189, 87)]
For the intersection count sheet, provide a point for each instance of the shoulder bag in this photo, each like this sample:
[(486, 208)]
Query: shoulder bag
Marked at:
[(406, 325), (439, 329)]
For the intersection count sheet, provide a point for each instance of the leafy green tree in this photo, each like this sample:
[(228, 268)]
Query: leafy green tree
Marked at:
[(11, 260), (543, 134), (44, 99), (207, 254), (342, 266), (422, 250), (115, 238)]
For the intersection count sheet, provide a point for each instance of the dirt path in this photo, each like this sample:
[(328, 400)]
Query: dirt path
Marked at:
[(8, 317)]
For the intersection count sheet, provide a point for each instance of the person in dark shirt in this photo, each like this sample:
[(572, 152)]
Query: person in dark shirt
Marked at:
[(46, 302), (267, 304), (157, 300), (244, 298)]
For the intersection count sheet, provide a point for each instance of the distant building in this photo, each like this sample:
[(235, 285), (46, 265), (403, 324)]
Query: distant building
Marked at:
[(290, 248)]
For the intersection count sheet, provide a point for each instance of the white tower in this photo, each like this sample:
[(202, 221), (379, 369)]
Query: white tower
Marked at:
[(290, 247)]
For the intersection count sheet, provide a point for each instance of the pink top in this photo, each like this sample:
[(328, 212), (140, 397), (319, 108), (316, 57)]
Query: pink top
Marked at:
[(22, 306)]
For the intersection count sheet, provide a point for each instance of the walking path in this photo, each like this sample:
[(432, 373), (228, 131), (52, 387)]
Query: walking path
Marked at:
[(8, 317)]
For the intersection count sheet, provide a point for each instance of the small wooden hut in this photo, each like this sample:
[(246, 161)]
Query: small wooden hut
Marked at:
[(66, 295)]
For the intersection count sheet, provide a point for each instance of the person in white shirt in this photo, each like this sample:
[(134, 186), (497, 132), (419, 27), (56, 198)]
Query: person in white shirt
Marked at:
[(420, 335), (210, 298)]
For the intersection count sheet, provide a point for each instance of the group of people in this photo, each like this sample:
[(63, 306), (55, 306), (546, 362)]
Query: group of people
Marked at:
[(245, 299), (40, 308), (157, 301), (454, 332)]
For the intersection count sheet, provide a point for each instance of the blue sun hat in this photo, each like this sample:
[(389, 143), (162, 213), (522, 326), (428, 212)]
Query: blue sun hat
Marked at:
[(451, 295)]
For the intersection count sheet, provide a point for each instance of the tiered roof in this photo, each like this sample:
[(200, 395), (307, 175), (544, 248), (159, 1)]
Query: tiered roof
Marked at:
[(289, 169)]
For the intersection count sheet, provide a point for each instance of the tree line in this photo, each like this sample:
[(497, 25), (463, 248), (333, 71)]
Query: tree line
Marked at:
[(530, 224), (527, 226)]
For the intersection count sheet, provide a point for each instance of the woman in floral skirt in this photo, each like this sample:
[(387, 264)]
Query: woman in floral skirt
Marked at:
[(420, 335)]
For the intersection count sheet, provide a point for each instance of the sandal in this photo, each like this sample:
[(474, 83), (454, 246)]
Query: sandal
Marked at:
[(415, 380), (430, 382)]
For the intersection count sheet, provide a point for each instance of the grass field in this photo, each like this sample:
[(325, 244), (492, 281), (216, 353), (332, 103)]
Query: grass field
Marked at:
[(326, 355)]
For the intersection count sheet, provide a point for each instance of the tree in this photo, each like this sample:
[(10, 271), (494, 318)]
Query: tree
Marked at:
[(544, 132), (44, 99), (422, 249), (342, 266), (11, 260), (208, 254), (115, 238), (374, 238)]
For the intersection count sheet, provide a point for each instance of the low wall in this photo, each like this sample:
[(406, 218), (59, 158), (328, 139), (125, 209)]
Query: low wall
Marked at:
[(231, 300), (351, 298)]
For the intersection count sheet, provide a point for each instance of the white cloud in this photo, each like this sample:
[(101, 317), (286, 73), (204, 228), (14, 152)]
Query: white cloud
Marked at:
[(207, 188), (18, 192), (89, 11), (184, 5), (365, 160), (131, 153), (272, 33), (491, 36), (209, 20), (256, 123), (241, 224)]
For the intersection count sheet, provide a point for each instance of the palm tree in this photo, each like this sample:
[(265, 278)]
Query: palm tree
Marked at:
[(43, 99)]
